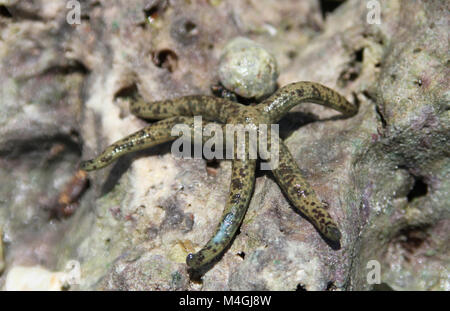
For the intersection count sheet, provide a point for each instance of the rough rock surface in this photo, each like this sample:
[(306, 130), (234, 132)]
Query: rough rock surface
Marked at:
[(385, 172)]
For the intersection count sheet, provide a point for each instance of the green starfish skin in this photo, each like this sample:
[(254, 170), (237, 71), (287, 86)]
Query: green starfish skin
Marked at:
[(287, 174)]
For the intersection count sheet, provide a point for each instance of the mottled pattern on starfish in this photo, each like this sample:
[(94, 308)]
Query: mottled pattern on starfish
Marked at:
[(287, 174)]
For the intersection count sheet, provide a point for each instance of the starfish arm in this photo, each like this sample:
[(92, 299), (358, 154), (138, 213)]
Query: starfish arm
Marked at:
[(241, 188), (277, 105), (209, 107), (301, 194), (152, 135)]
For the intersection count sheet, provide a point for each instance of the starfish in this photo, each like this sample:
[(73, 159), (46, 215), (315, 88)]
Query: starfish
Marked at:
[(219, 110)]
